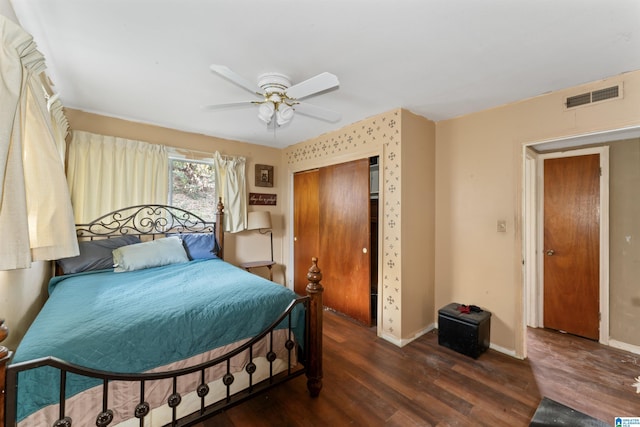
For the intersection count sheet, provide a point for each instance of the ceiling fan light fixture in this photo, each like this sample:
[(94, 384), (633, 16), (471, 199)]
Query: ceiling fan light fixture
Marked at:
[(265, 112), (284, 114)]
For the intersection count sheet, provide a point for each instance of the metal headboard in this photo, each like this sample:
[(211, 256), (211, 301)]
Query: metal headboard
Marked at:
[(152, 220)]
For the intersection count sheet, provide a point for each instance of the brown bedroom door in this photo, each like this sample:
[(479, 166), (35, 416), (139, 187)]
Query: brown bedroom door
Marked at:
[(342, 203), (572, 245)]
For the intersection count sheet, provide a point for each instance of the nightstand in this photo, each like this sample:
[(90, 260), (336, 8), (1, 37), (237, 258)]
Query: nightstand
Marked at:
[(258, 264)]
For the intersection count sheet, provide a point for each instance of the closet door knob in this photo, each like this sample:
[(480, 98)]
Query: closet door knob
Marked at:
[(550, 252), (364, 250)]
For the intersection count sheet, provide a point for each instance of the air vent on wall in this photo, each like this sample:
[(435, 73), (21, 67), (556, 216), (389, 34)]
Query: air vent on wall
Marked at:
[(574, 101), (591, 97), (602, 94)]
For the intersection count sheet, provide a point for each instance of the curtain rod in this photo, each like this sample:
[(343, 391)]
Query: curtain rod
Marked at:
[(190, 151), (209, 155)]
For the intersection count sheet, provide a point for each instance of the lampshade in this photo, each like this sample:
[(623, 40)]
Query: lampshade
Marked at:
[(259, 220)]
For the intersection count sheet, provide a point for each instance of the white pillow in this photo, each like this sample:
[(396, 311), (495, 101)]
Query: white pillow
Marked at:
[(168, 250)]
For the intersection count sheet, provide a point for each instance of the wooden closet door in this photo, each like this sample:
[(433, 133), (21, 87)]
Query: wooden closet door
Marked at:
[(344, 238), (306, 227)]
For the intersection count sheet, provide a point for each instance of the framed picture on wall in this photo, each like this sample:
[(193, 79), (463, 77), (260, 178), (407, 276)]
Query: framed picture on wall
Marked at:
[(264, 176)]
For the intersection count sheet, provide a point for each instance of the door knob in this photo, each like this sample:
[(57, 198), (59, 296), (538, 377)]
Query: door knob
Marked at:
[(550, 252)]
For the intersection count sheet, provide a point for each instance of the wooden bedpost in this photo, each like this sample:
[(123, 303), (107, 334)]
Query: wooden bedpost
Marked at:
[(220, 228), (314, 290), (5, 355)]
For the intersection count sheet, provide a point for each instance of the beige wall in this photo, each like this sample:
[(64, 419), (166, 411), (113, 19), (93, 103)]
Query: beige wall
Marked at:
[(22, 294), (418, 224), (479, 181), (624, 251)]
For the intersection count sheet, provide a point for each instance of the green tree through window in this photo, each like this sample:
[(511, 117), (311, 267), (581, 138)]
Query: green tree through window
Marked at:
[(192, 187)]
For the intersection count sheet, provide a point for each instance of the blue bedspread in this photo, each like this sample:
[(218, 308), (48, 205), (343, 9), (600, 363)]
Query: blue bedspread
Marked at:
[(136, 321)]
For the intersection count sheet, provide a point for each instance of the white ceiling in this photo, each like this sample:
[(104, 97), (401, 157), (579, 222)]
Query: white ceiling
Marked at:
[(148, 60)]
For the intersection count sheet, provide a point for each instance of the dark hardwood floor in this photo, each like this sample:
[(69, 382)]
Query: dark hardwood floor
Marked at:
[(370, 382)]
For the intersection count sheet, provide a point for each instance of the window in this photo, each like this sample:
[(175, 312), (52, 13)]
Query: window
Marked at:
[(192, 187)]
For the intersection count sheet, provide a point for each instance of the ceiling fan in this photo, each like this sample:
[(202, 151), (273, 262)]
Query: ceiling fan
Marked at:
[(279, 98)]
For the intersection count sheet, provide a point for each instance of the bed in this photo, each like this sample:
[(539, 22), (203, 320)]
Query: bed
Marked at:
[(167, 334)]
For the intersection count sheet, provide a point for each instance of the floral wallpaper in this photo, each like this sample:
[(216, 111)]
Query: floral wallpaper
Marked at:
[(380, 132)]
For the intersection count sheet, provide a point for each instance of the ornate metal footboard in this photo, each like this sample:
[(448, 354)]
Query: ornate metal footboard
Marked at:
[(308, 360)]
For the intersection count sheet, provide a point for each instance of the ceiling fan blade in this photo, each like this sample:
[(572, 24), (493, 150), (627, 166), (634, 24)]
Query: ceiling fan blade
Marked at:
[(317, 112), (230, 105), (320, 83), (236, 78)]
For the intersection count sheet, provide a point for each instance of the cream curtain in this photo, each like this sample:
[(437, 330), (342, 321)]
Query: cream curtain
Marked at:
[(231, 186), (107, 173), (36, 219), (59, 123)]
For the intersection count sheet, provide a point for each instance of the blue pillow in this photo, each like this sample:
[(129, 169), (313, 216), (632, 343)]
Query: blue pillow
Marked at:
[(95, 254), (200, 245)]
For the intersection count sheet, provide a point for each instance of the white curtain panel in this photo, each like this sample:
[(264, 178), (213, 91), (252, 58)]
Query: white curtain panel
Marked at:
[(106, 173), (60, 125), (36, 219), (231, 186)]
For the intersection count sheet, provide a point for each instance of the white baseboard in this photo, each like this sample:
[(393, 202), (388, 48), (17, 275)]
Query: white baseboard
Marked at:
[(393, 340), (404, 341), (497, 348), (624, 346), (506, 351)]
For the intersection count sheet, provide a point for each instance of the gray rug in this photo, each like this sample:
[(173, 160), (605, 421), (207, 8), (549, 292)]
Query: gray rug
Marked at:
[(551, 413)]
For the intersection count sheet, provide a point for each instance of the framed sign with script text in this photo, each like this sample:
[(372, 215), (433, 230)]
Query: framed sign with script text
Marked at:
[(262, 199)]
